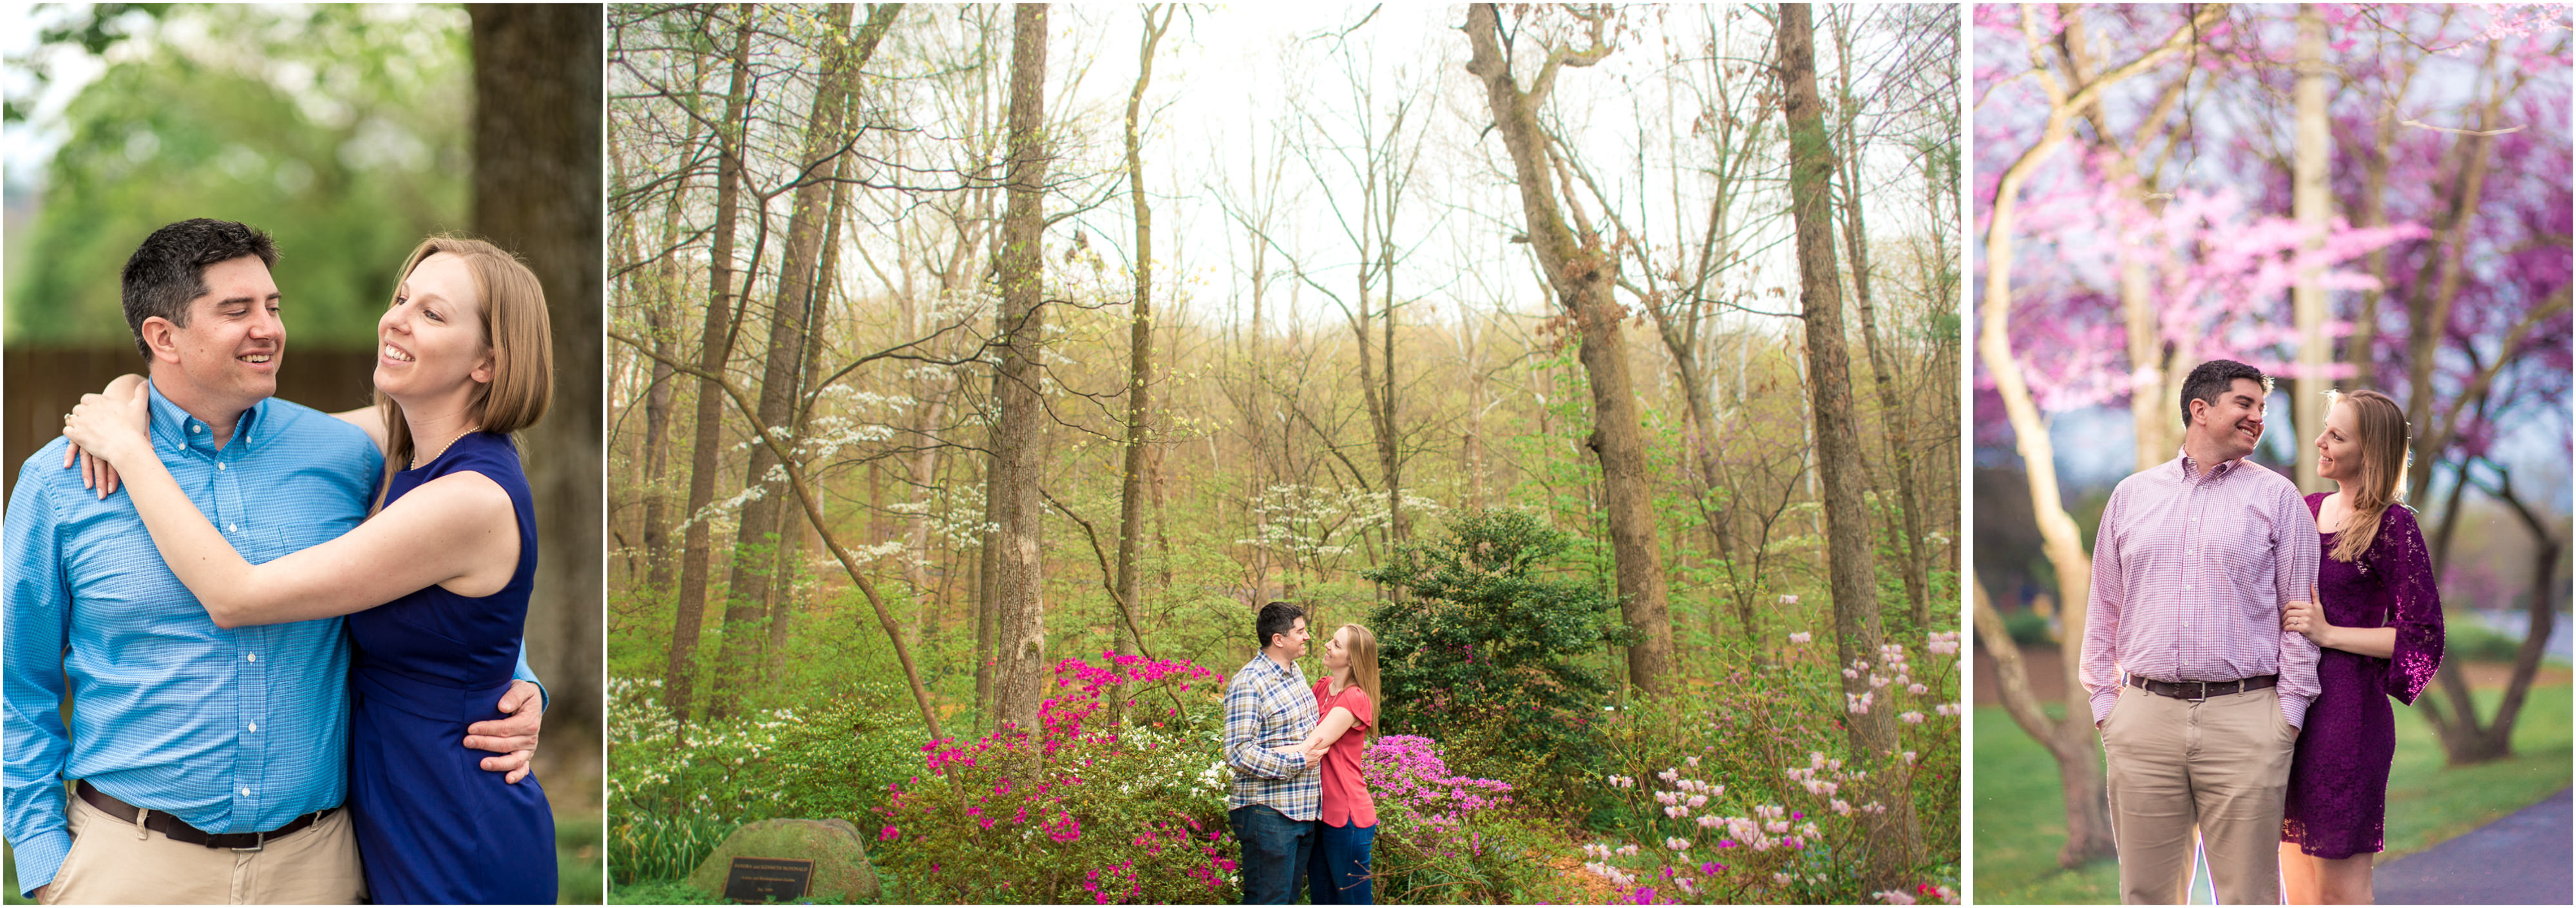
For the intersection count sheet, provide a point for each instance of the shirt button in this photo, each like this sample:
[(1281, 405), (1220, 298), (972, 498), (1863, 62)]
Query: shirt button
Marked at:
[(254, 726), (232, 527), (245, 792), (250, 657), (219, 468), (193, 427)]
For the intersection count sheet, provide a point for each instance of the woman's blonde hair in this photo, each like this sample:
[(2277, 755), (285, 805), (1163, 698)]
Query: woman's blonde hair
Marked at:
[(2382, 442), (512, 309), (1362, 655)]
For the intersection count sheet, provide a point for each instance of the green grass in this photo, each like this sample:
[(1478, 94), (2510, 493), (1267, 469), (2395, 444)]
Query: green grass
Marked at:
[(2021, 817), (578, 877)]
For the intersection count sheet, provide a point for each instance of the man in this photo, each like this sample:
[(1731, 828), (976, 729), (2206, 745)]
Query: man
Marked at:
[(211, 763), (2198, 692), (1277, 792)]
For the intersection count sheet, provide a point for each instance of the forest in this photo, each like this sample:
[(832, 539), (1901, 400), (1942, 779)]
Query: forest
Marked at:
[(975, 373)]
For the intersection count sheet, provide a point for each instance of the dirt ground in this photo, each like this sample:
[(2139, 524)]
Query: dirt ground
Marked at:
[(2047, 678)]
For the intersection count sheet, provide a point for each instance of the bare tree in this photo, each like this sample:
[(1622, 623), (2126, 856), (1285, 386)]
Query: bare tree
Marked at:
[(715, 348), (1584, 274), (1894, 840), (1019, 617), (1129, 637)]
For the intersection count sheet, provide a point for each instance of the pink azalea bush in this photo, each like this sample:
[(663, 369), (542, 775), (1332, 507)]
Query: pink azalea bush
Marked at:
[(1086, 808), (1446, 837)]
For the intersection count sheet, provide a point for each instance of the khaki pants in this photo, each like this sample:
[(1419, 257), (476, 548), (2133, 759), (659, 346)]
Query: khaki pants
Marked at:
[(118, 863), (2219, 766)]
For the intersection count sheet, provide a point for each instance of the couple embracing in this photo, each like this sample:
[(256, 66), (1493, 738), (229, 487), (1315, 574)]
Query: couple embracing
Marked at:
[(1299, 804), (291, 641), (2242, 646)]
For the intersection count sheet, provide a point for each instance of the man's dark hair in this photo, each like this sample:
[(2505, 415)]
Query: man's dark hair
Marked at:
[(2211, 379), (1276, 618), (169, 269)]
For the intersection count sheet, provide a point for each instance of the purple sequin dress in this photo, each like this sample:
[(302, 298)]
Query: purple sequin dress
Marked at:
[(2338, 795)]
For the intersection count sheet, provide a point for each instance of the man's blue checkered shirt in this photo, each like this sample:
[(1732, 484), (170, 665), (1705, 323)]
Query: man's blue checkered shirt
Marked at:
[(1269, 706)]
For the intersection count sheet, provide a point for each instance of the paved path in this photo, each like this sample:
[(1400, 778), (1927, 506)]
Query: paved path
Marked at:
[(2518, 860)]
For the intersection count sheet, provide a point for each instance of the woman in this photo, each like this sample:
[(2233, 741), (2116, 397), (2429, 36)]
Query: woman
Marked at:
[(1338, 871), (435, 583), (2379, 622)]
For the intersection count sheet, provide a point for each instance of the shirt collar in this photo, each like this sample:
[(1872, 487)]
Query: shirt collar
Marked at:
[(2191, 470), (180, 429), (1290, 670)]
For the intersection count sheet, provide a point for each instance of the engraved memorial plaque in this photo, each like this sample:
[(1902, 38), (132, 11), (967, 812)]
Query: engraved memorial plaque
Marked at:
[(767, 879)]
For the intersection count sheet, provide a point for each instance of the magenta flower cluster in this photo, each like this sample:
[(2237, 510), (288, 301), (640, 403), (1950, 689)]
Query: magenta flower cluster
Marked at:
[(1025, 783), (1405, 774)]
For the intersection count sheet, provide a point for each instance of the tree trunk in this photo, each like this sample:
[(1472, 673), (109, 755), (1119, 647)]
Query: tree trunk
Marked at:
[(2465, 739), (2311, 204), (1019, 617), (661, 310), (715, 347), (1140, 350), (537, 192), (1895, 418), (1895, 841), (758, 548), (1584, 276), (2061, 539)]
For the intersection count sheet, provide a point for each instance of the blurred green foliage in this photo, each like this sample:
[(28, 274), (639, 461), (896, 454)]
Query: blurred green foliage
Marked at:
[(341, 130)]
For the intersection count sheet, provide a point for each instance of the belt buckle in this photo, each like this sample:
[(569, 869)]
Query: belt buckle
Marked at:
[(2204, 691), (259, 842)]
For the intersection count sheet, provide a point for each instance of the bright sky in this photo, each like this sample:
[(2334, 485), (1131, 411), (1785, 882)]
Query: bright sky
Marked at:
[(1226, 77)]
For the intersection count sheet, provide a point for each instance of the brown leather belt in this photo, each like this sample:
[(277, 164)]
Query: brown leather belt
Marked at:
[(170, 826), (2200, 690)]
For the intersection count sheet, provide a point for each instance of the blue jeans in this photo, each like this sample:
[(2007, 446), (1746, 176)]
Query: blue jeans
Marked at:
[(1339, 872), (1275, 851)]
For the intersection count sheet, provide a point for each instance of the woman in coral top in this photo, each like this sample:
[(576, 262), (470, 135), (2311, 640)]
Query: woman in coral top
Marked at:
[(1338, 872)]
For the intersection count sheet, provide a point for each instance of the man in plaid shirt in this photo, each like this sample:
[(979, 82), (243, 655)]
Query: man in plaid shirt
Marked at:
[(1277, 791)]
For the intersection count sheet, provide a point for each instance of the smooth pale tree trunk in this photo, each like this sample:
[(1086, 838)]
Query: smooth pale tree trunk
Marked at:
[(715, 348), (1019, 617), (1852, 566), (1584, 276), (537, 192), (2060, 539), (2311, 204)]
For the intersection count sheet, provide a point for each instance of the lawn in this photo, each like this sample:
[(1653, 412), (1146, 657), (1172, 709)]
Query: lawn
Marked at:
[(2021, 819)]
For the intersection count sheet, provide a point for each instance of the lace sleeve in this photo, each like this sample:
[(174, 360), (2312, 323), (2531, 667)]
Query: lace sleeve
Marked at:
[(2415, 607)]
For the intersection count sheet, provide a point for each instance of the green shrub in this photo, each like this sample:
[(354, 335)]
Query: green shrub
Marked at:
[(1490, 657)]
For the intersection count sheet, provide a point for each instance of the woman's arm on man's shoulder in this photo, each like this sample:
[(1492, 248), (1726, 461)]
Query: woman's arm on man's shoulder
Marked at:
[(460, 528)]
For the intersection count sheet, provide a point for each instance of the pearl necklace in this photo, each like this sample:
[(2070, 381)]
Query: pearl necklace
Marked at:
[(442, 449)]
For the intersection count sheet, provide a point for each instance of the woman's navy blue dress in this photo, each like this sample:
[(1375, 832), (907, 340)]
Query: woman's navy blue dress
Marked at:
[(433, 826)]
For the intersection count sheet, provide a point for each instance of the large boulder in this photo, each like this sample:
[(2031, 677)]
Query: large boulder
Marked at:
[(841, 869)]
